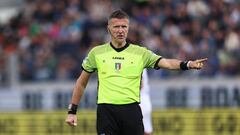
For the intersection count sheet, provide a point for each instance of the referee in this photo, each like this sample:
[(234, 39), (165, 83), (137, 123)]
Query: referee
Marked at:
[(120, 65)]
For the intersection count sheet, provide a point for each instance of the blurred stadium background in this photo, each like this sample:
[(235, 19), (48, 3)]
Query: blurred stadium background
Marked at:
[(43, 42)]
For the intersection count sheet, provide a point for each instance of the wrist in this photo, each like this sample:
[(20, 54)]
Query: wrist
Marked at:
[(72, 109), (188, 64), (185, 65)]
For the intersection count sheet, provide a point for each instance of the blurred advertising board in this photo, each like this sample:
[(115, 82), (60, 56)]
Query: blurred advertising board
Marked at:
[(165, 122), (43, 123), (196, 122)]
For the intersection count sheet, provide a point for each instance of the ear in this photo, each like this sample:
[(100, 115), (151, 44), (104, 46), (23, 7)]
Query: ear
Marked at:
[(108, 28)]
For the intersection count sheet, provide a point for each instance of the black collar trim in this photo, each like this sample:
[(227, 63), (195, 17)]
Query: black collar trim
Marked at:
[(120, 49)]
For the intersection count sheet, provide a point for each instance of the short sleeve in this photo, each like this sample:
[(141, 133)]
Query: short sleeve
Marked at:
[(89, 63), (150, 59)]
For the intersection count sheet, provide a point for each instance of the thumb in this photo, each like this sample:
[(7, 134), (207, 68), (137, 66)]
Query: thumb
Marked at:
[(71, 122)]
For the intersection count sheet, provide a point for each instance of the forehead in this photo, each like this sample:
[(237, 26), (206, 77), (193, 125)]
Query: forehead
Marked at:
[(116, 21)]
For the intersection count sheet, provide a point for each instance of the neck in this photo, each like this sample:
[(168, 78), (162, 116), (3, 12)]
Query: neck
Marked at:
[(118, 45)]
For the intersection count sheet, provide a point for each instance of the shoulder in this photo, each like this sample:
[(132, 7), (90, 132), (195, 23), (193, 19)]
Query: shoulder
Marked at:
[(138, 48), (99, 48)]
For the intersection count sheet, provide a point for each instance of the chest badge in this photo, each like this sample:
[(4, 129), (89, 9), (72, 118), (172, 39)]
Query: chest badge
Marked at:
[(118, 66)]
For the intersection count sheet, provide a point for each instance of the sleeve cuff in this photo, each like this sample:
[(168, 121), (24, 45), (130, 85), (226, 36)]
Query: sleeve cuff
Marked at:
[(156, 64), (86, 70)]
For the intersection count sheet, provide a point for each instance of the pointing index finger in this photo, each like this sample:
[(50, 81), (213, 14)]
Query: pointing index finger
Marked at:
[(202, 60)]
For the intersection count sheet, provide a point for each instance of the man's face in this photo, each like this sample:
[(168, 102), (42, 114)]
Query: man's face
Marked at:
[(118, 29)]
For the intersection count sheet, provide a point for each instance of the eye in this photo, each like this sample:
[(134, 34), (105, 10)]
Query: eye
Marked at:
[(116, 26)]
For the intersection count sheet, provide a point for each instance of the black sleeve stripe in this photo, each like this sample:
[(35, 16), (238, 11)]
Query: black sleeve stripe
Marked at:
[(156, 64), (86, 70)]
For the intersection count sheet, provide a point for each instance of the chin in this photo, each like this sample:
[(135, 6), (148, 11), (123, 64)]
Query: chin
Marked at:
[(121, 40)]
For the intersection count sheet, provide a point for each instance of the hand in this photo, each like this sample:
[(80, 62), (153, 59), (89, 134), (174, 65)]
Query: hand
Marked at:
[(71, 120), (197, 64)]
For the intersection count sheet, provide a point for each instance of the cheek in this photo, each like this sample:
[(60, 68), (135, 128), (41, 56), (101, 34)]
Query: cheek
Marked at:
[(114, 32)]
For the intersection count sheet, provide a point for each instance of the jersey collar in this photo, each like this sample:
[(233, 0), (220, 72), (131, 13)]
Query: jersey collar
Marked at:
[(120, 49)]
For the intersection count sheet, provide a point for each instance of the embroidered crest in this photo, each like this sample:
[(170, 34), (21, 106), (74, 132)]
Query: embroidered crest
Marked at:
[(118, 66)]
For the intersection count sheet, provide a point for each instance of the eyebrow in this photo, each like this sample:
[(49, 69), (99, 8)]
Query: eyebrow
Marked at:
[(120, 26)]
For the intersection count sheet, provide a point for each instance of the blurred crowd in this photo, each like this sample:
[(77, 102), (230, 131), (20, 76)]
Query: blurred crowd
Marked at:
[(52, 37)]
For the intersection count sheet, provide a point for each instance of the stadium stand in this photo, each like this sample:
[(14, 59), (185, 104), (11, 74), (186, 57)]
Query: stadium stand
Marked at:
[(51, 37)]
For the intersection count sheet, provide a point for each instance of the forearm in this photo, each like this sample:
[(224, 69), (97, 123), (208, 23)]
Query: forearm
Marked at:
[(77, 92), (178, 64), (79, 87), (172, 64)]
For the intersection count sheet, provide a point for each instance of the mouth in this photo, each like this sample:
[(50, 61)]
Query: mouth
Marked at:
[(120, 36)]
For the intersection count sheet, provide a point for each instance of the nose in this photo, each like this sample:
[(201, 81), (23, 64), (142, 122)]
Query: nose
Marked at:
[(121, 29)]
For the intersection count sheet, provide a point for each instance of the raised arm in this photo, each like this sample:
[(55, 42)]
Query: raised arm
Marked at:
[(175, 64)]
